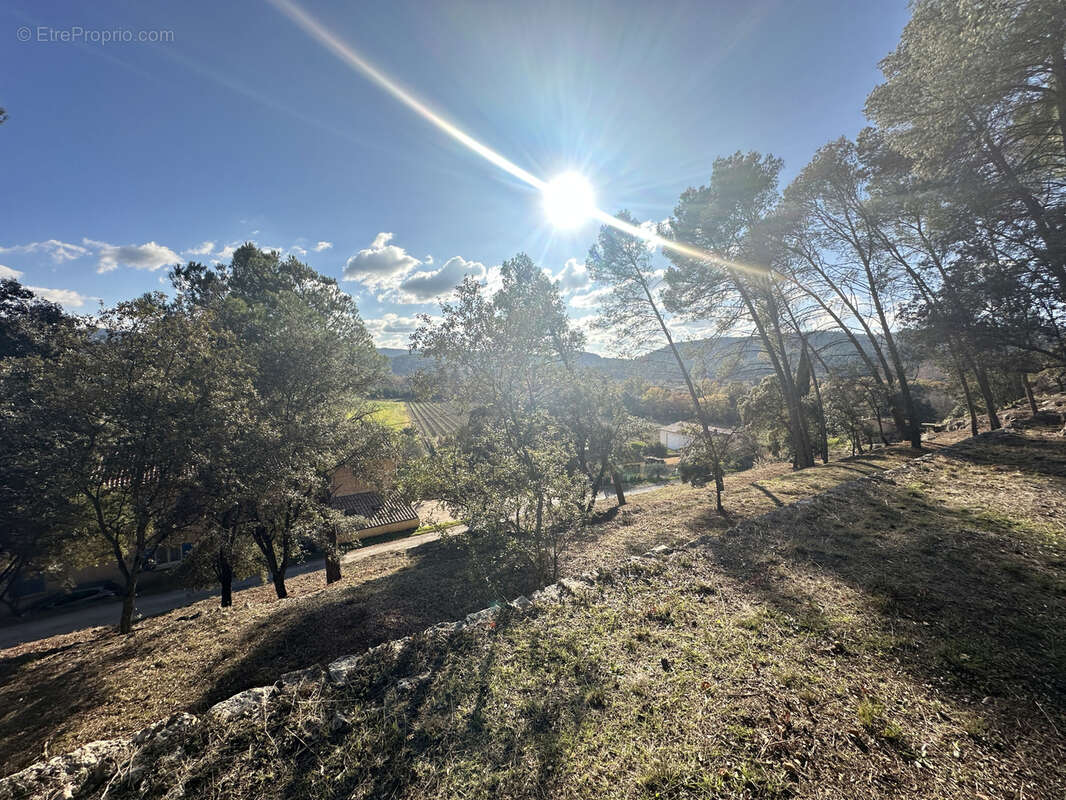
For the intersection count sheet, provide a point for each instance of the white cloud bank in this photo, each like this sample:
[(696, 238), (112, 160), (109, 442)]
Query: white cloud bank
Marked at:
[(59, 251), (202, 249), (318, 248), (392, 330), (394, 275), (573, 277), (148, 256), (427, 286), (67, 298), (379, 265)]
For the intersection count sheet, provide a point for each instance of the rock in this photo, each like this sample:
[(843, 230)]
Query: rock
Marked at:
[(573, 586), (165, 733), (340, 670), (444, 630), (547, 595), (482, 616), (70, 775), (300, 679), (248, 702), (521, 603)]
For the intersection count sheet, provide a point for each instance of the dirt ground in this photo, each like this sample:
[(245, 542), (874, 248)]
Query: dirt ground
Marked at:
[(58, 693), (899, 637)]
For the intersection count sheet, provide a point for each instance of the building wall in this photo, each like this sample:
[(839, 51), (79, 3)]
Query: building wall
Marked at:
[(674, 441), (380, 530), (344, 482)]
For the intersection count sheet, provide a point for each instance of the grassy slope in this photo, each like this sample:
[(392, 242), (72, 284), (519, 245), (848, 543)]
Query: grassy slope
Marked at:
[(195, 656), (902, 639)]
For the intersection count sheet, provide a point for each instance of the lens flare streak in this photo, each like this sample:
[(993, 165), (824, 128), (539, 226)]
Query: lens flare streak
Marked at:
[(348, 55)]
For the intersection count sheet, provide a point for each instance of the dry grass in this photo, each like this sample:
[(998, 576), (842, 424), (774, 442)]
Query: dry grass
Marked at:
[(58, 693), (899, 638)]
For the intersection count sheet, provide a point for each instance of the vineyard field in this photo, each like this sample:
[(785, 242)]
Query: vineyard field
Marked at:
[(435, 419)]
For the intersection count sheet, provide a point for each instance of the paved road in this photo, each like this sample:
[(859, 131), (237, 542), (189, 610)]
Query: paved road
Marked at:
[(151, 604)]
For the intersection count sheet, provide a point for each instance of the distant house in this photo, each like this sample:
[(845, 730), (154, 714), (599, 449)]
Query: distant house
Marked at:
[(383, 514), (679, 435), (676, 436)]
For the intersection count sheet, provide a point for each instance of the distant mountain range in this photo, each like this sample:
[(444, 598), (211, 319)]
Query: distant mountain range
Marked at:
[(739, 358)]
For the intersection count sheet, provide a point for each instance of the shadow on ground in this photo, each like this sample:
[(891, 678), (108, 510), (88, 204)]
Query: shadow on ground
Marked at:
[(970, 597)]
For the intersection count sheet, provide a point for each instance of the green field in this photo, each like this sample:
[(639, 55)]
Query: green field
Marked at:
[(393, 413)]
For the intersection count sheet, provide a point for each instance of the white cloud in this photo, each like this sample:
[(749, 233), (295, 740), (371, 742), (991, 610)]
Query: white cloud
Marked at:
[(65, 297), (392, 330), (493, 280), (381, 264), (426, 286), (590, 299), (297, 250), (59, 251), (597, 340), (202, 249), (318, 248), (226, 253), (654, 228), (8, 272), (573, 277), (147, 256)]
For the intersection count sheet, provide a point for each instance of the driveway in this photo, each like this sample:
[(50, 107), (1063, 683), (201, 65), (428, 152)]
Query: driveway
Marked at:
[(151, 604)]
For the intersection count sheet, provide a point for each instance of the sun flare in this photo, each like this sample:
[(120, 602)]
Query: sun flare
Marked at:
[(569, 200)]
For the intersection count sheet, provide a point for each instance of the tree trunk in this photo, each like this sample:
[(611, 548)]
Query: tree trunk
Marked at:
[(129, 601), (823, 430), (801, 447), (225, 577), (966, 392), (266, 546), (333, 557), (700, 415), (279, 585), (619, 492), (1029, 393), (986, 393)]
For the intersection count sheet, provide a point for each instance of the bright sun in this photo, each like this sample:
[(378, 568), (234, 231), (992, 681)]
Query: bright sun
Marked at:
[(569, 200)]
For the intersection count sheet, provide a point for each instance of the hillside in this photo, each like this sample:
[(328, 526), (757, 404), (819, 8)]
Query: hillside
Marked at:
[(726, 358), (205, 654), (900, 634)]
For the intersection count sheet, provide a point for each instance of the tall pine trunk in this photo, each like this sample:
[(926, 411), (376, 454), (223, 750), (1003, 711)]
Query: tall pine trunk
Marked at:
[(970, 408)]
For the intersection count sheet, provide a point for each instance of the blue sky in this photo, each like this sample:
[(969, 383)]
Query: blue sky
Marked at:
[(121, 157)]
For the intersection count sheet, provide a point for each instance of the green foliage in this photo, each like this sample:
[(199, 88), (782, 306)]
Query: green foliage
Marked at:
[(135, 405), (542, 434), (37, 515), (310, 361)]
